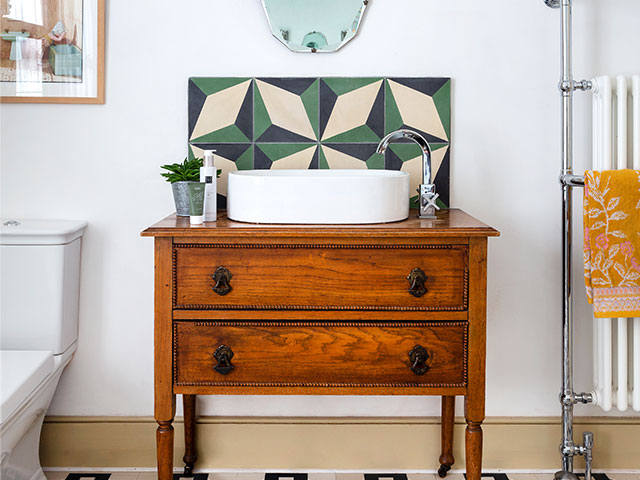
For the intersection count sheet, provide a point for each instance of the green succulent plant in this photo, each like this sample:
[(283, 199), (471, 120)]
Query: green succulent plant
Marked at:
[(187, 171)]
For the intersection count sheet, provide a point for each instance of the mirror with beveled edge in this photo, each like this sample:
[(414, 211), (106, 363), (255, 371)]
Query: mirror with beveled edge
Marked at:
[(314, 25)]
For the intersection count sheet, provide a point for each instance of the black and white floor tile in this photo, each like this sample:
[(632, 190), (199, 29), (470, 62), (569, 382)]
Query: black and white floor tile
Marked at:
[(59, 475)]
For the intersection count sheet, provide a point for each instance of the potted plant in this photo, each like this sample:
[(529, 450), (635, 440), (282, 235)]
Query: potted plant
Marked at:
[(180, 175)]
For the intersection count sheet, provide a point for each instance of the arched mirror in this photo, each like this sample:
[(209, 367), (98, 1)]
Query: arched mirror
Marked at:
[(314, 25)]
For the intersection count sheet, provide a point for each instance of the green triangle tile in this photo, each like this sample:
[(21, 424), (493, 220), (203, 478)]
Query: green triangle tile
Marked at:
[(442, 100), (357, 135), (413, 202), (392, 115), (191, 155), (276, 151), (440, 203), (261, 119), (322, 160), (245, 161), (437, 146), (209, 85), (340, 86), (229, 134), (310, 100), (406, 151), (375, 162)]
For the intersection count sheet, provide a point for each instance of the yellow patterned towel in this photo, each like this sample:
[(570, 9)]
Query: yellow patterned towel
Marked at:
[(612, 242)]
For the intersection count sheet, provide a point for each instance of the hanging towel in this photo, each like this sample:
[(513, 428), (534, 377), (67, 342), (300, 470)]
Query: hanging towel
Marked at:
[(612, 242)]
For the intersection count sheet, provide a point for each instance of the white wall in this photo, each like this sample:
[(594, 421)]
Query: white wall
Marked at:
[(100, 163)]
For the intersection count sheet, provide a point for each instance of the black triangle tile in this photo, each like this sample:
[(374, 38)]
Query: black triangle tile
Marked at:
[(196, 101), (294, 85), (441, 181), (276, 134), (328, 99), (244, 121), (376, 117), (428, 86)]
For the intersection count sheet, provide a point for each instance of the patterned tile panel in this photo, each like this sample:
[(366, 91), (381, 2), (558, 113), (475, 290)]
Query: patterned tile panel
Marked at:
[(329, 122)]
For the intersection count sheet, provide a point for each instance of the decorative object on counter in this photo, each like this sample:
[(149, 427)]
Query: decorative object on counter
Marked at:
[(208, 176), (314, 26), (196, 202), (60, 59), (180, 175), (321, 123)]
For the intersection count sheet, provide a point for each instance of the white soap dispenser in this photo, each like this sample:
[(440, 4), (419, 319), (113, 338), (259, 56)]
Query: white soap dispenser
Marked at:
[(208, 175)]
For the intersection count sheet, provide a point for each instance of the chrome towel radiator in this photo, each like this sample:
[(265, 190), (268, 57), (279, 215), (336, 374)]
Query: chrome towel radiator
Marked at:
[(569, 398)]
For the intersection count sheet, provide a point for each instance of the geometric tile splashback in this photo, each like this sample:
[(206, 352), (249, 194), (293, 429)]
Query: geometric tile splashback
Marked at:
[(329, 122)]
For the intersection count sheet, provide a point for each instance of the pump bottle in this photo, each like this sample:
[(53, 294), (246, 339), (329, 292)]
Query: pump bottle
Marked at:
[(208, 175)]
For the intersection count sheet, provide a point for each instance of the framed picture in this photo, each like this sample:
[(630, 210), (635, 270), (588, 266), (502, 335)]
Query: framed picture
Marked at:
[(52, 51)]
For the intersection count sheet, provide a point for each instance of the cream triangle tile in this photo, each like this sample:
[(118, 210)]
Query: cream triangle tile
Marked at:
[(337, 159), (220, 109), (418, 110), (351, 110), (299, 160), (286, 110)]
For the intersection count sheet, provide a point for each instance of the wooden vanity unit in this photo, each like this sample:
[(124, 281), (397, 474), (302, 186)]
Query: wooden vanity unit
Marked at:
[(388, 309)]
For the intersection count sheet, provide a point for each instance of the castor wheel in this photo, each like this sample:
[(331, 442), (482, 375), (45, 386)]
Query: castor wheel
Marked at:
[(188, 471), (442, 471)]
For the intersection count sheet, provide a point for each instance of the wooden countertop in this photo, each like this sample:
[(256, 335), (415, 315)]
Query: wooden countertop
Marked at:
[(449, 223)]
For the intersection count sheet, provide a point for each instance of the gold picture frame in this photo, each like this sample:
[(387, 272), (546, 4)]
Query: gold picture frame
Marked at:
[(78, 77)]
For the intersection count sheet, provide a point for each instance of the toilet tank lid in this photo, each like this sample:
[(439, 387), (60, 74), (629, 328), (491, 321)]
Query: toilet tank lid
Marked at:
[(22, 372), (40, 232)]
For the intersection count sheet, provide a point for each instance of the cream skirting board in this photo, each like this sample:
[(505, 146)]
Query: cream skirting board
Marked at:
[(382, 444)]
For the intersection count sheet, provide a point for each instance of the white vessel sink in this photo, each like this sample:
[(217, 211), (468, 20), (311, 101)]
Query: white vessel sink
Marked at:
[(318, 196)]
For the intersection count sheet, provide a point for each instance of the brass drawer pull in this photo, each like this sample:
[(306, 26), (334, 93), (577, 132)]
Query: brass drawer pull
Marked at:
[(222, 277), (417, 279), (418, 357), (223, 355)]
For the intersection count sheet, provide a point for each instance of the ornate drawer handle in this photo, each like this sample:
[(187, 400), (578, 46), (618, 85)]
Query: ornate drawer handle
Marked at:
[(222, 277), (418, 357), (223, 355), (417, 279)]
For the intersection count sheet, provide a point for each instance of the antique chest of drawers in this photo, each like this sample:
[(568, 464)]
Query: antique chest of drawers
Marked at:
[(389, 309)]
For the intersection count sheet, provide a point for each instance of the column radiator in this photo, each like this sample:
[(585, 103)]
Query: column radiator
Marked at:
[(616, 145)]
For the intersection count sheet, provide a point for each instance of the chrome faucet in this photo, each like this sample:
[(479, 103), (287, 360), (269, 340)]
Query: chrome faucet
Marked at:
[(427, 192)]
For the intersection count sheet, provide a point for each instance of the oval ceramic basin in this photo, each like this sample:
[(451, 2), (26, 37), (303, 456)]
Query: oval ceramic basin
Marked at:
[(318, 196)]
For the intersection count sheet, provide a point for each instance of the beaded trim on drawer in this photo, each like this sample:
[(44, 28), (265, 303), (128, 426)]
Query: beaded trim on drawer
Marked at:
[(322, 324), (221, 306)]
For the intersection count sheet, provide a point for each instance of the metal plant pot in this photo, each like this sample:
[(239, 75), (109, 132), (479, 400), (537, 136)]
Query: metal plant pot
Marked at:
[(181, 198)]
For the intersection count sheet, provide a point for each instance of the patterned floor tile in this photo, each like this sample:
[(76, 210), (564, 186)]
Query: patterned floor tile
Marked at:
[(624, 476), (124, 476), (423, 476), (523, 476), (56, 475)]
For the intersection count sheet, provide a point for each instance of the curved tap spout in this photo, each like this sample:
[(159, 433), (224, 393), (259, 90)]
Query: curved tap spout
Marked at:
[(427, 191)]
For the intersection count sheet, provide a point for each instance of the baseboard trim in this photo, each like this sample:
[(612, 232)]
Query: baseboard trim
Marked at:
[(382, 444)]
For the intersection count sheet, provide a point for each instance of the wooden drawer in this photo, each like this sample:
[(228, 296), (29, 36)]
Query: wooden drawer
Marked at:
[(320, 277), (313, 354)]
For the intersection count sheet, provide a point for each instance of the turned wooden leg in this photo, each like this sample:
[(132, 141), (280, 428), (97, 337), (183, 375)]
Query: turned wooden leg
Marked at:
[(447, 418), (190, 453), (164, 441), (473, 446)]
